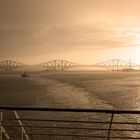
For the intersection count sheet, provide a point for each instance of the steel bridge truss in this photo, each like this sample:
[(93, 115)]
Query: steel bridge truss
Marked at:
[(10, 65), (116, 65), (61, 65)]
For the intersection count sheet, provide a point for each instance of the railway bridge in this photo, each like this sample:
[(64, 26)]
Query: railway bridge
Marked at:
[(116, 65), (59, 65), (113, 65), (62, 65), (10, 65)]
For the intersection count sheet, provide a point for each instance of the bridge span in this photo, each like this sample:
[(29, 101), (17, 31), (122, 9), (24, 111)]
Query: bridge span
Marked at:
[(10, 65), (114, 65), (59, 65), (62, 65)]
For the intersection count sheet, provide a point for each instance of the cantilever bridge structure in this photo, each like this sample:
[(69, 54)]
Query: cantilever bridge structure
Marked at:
[(10, 65), (114, 65), (62, 65), (59, 65)]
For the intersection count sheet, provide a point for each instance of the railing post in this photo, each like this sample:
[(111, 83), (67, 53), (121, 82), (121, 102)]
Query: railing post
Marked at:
[(1, 117), (21, 125), (110, 126), (22, 134)]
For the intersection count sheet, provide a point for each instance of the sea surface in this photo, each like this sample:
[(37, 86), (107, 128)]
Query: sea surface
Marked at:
[(94, 90)]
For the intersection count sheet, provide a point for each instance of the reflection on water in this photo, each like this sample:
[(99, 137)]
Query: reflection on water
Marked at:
[(72, 89), (94, 90)]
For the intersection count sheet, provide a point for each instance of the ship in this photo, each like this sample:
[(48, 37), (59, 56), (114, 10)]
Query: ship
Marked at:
[(25, 75)]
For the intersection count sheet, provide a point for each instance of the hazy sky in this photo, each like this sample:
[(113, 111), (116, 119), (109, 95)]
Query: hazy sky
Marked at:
[(83, 31)]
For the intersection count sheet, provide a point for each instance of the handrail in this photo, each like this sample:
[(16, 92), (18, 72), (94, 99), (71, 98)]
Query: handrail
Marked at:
[(108, 131), (70, 110)]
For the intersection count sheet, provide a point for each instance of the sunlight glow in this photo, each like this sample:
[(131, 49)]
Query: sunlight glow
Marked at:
[(137, 42), (135, 53)]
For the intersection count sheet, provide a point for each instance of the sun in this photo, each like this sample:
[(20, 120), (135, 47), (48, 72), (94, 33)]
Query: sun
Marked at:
[(137, 42), (135, 53)]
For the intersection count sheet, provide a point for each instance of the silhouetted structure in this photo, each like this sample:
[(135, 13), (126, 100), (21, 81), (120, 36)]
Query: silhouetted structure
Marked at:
[(62, 65), (59, 65), (117, 65), (10, 65)]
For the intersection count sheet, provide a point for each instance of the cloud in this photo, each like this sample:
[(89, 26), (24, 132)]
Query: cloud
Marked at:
[(82, 36), (41, 39)]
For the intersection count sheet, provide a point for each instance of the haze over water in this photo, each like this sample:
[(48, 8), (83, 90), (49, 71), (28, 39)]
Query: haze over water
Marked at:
[(85, 32), (80, 31)]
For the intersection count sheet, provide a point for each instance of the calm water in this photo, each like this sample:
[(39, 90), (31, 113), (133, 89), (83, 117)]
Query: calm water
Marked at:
[(96, 90), (72, 89)]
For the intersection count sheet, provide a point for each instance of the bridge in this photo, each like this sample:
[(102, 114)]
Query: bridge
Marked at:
[(59, 65), (10, 65), (116, 65), (62, 65)]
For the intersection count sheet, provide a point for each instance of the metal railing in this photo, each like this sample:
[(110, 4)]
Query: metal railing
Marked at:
[(22, 123)]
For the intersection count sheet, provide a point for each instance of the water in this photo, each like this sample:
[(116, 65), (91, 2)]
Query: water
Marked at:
[(95, 90)]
